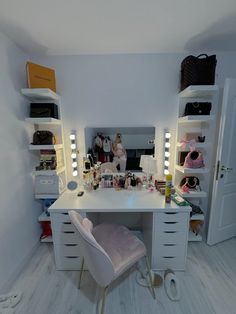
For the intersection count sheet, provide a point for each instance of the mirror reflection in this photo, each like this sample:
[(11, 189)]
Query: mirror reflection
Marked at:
[(122, 146)]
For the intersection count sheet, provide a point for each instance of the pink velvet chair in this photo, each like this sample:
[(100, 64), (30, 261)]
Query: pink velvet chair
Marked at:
[(108, 250)]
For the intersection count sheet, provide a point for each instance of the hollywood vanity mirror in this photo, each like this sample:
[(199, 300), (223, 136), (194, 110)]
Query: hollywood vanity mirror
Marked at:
[(131, 141)]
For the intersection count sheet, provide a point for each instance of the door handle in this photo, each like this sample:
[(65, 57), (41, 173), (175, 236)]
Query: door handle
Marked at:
[(223, 168)]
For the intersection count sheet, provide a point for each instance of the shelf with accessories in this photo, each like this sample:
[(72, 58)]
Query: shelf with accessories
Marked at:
[(186, 146), (196, 133), (190, 194), (43, 120), (50, 172), (191, 170)]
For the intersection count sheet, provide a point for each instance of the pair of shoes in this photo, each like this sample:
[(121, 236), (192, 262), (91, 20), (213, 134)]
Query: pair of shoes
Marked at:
[(10, 300), (172, 286)]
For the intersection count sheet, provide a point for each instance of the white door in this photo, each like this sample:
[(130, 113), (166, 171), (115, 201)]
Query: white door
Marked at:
[(222, 222)]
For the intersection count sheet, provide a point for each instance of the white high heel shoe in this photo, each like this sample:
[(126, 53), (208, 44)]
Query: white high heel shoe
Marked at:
[(172, 285)]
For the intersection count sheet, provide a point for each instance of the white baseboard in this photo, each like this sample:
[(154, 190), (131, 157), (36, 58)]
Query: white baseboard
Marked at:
[(6, 286)]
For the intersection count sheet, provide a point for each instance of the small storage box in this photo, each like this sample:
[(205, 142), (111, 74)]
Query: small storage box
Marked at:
[(50, 184), (44, 110)]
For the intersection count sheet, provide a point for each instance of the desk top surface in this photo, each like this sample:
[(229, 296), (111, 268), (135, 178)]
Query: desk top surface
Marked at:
[(110, 200)]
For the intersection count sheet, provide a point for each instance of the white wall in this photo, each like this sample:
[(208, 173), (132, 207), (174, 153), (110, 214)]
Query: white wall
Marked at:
[(19, 230), (124, 90)]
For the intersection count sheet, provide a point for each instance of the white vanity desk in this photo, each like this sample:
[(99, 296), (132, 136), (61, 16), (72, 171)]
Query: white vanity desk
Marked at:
[(165, 226)]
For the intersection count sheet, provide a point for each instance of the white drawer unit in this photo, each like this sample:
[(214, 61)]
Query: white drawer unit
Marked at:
[(66, 243), (170, 238)]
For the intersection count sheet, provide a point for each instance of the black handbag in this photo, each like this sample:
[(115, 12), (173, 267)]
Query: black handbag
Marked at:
[(197, 108), (198, 70), (43, 110), (43, 138)]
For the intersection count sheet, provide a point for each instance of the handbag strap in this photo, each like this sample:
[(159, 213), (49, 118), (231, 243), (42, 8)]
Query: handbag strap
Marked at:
[(201, 55)]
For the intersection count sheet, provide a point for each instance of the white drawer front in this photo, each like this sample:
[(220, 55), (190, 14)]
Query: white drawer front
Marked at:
[(60, 217), (172, 262), (69, 263), (64, 227), (171, 237), (172, 250), (68, 250), (172, 217), (67, 237), (171, 226), (63, 217)]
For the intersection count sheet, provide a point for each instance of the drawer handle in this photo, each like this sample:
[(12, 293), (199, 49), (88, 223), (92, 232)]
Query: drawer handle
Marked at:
[(170, 231), (169, 256), (65, 214), (169, 244), (71, 244), (170, 222), (66, 223), (72, 257), (170, 213), (69, 232)]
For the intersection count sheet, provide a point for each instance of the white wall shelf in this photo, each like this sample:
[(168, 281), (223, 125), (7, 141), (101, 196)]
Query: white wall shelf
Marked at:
[(191, 170), (195, 91), (45, 147), (191, 127), (197, 217), (200, 118), (45, 95), (196, 145), (192, 237), (44, 217), (191, 194), (48, 172), (43, 121), (39, 94), (47, 240)]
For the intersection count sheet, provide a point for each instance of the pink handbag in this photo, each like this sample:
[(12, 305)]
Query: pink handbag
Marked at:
[(194, 159)]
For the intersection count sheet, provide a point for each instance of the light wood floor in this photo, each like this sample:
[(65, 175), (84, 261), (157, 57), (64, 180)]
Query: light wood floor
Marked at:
[(208, 286)]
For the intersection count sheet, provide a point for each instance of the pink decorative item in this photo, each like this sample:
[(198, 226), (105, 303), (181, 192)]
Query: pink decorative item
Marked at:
[(194, 159), (185, 189), (184, 143), (151, 189)]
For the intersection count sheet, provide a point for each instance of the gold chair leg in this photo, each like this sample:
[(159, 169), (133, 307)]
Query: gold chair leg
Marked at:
[(81, 273), (104, 293), (150, 277)]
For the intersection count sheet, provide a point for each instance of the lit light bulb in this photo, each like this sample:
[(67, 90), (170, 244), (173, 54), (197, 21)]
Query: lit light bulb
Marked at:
[(73, 146), (167, 145), (167, 154), (166, 171), (73, 155), (74, 173), (72, 136), (74, 164), (167, 163), (167, 135)]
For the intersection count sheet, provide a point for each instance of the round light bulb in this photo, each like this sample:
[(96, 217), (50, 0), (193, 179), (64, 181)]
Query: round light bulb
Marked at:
[(167, 154), (167, 135), (74, 164), (73, 146), (73, 155), (166, 171), (74, 173), (167, 145), (72, 136), (167, 163)]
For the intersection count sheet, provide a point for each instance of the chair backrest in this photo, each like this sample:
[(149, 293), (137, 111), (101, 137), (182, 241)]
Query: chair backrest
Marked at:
[(108, 167), (97, 260)]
